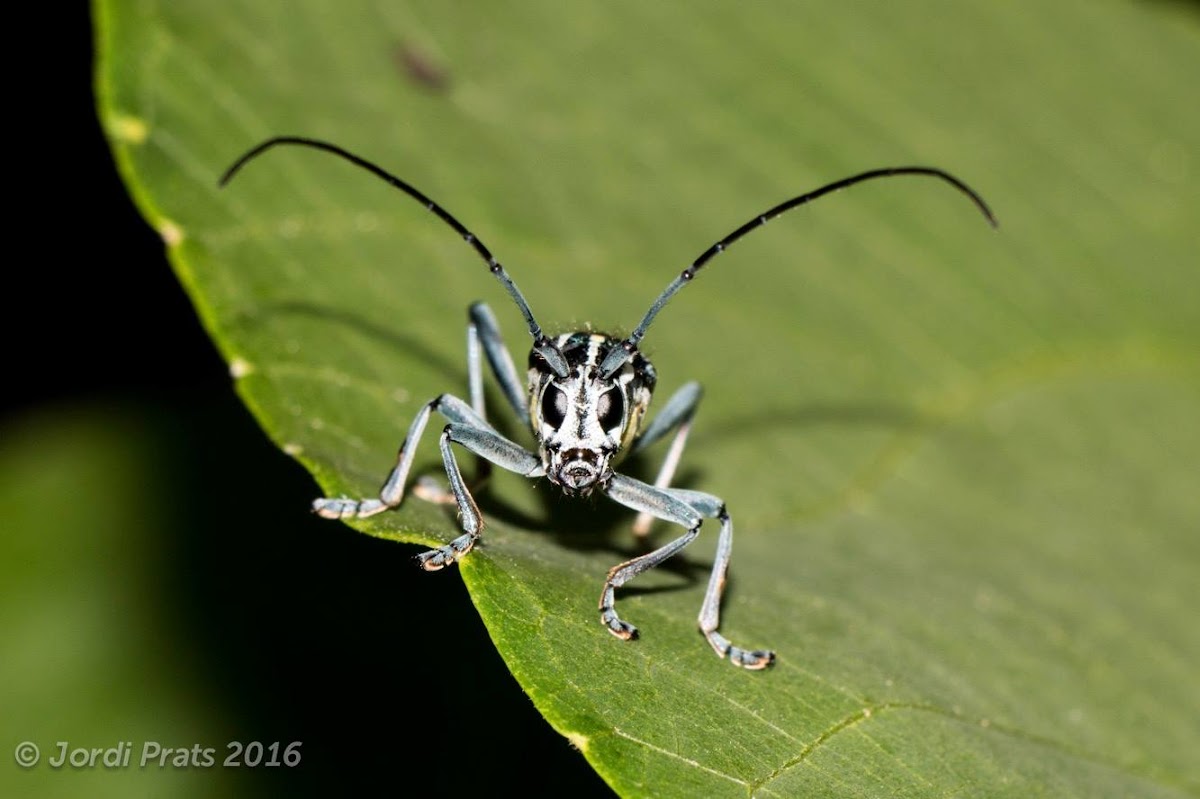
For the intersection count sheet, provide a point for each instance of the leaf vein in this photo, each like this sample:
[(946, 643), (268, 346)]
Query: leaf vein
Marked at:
[(693, 763)]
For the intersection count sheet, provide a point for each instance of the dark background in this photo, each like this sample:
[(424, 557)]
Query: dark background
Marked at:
[(299, 629)]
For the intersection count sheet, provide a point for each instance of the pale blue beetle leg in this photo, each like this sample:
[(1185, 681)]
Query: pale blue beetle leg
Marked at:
[(483, 336), (392, 492), (710, 610), (686, 508), (677, 413), (487, 331), (495, 448)]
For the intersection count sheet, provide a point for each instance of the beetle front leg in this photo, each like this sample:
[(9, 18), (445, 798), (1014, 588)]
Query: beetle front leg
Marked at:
[(472, 519), (710, 610), (642, 497), (686, 508), (493, 447)]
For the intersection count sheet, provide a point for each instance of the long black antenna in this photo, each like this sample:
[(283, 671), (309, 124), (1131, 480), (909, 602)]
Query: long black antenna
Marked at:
[(542, 343), (618, 355)]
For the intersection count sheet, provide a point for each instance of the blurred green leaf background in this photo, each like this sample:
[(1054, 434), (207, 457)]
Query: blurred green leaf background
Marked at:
[(960, 462)]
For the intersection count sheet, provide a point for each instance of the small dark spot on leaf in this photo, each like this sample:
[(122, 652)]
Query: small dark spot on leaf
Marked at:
[(420, 67)]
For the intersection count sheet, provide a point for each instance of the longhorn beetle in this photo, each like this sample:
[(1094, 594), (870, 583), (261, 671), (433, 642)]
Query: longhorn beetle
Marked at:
[(585, 399)]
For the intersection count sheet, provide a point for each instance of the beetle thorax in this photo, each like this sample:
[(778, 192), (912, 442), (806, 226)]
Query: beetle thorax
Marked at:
[(584, 421)]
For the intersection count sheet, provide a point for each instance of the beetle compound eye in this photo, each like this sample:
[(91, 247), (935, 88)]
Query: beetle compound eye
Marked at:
[(610, 408), (554, 406)]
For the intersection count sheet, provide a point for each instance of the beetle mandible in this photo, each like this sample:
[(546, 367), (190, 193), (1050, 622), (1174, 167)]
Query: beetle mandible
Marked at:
[(585, 399)]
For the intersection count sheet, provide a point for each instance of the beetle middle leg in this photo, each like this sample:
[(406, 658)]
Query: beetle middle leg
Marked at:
[(483, 340), (392, 492)]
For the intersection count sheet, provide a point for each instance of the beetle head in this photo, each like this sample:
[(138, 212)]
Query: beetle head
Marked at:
[(584, 420)]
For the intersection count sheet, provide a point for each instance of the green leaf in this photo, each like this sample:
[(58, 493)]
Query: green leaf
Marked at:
[(961, 463)]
